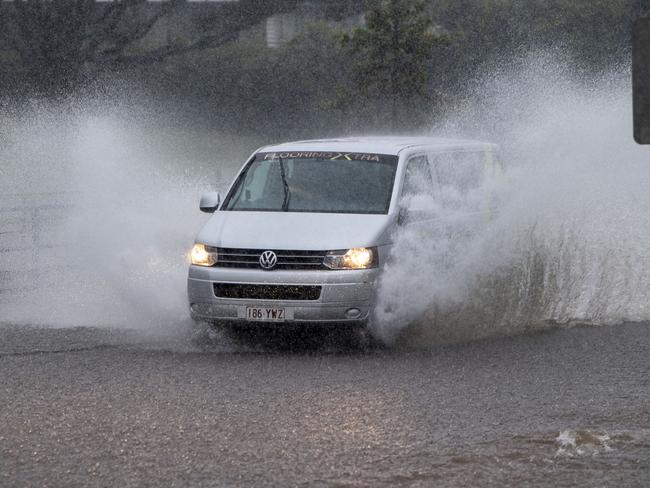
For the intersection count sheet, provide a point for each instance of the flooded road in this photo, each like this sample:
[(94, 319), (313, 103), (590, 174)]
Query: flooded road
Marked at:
[(96, 407)]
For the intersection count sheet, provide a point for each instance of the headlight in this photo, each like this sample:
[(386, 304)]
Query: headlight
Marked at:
[(355, 258), (203, 255)]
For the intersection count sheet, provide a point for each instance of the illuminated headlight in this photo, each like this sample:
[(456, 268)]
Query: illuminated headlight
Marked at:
[(355, 258), (203, 255)]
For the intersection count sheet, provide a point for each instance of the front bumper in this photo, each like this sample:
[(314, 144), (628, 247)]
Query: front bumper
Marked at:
[(343, 293)]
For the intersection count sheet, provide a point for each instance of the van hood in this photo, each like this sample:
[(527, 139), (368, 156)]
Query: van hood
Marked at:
[(294, 230)]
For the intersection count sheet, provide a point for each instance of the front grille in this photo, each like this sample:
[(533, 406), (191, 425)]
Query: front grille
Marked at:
[(266, 292), (250, 258)]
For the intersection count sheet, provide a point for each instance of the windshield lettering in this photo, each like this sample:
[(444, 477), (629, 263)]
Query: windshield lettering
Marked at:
[(331, 156)]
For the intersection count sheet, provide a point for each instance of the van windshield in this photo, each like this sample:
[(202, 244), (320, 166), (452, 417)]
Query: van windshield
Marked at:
[(315, 182)]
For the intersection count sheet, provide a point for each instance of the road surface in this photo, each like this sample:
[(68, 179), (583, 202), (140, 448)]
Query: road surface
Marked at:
[(98, 407)]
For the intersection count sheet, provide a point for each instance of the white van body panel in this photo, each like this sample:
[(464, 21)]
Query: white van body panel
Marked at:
[(295, 230)]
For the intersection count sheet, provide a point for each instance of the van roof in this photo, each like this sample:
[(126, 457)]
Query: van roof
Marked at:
[(377, 144)]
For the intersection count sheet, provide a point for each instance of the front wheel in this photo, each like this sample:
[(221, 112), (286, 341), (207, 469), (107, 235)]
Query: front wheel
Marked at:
[(204, 334), (367, 340)]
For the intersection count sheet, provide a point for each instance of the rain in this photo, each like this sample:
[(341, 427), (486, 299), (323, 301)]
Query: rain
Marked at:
[(335, 326)]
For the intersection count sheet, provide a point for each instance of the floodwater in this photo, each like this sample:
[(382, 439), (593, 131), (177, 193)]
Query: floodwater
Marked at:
[(99, 407), (99, 384)]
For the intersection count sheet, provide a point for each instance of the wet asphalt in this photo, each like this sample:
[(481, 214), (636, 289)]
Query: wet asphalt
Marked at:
[(99, 407)]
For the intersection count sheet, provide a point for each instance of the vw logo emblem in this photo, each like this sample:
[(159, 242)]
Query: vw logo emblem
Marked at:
[(268, 260)]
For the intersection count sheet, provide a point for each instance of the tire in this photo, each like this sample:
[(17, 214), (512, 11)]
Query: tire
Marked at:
[(203, 334), (367, 340)]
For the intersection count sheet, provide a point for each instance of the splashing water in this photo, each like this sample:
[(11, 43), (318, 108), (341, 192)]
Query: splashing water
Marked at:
[(570, 240), (114, 205)]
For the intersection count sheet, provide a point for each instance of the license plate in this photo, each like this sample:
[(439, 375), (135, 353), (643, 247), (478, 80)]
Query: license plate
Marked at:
[(266, 314)]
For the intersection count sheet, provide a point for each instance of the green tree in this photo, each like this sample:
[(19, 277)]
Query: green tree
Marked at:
[(389, 70)]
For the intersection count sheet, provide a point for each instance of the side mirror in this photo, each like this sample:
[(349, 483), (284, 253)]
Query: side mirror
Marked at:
[(210, 202)]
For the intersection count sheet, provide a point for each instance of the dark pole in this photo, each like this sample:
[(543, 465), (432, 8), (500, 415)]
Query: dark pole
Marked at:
[(393, 69)]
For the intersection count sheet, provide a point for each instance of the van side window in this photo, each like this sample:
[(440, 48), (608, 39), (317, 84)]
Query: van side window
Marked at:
[(417, 201), (460, 175), (462, 170), (417, 179)]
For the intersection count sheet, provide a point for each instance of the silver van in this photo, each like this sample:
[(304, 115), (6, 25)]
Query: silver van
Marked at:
[(305, 229)]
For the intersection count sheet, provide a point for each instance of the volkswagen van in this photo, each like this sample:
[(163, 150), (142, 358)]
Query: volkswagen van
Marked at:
[(304, 231)]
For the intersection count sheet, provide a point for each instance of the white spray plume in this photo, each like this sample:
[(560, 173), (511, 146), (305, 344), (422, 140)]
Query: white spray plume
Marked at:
[(116, 254), (570, 242)]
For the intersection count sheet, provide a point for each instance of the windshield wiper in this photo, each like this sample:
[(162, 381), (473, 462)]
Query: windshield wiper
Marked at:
[(287, 192)]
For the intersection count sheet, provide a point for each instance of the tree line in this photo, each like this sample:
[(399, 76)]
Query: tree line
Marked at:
[(409, 56)]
